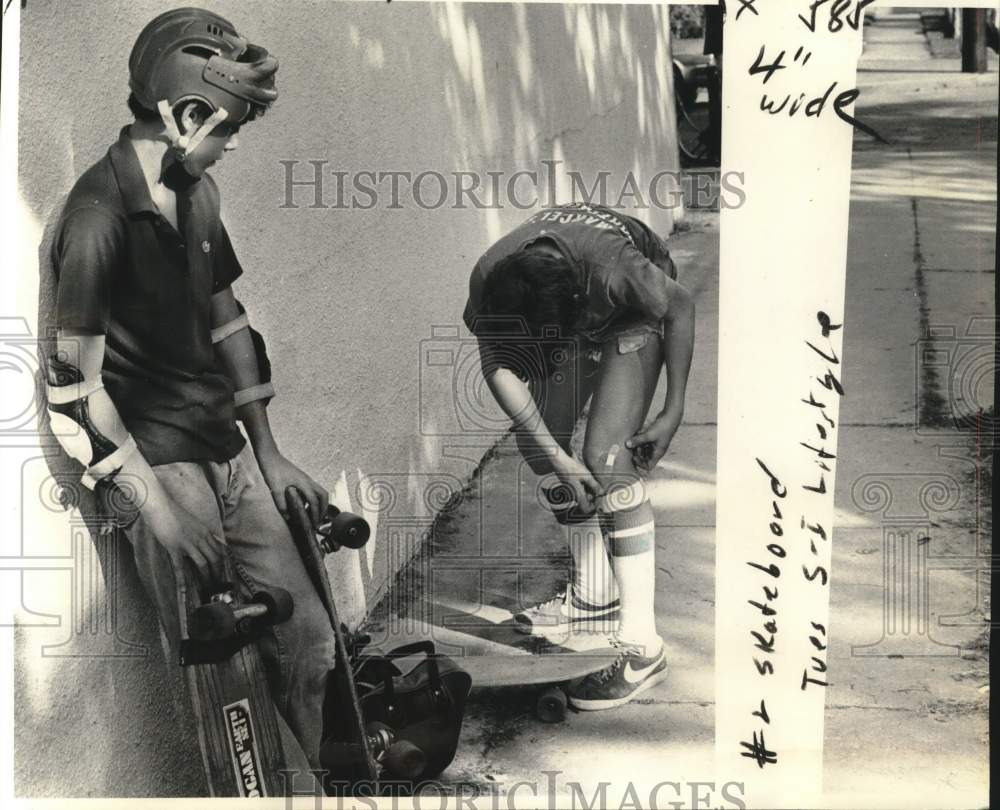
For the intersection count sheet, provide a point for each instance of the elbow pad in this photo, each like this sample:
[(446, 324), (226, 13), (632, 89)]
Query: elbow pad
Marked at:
[(69, 415), (264, 390), (260, 349), (237, 324)]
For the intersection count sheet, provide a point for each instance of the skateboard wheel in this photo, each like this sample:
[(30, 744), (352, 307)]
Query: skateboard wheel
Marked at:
[(346, 529), (212, 622), (279, 603), (551, 706), (405, 760)]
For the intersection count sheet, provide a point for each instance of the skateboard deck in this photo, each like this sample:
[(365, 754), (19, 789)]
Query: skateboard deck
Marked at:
[(237, 726), (499, 666), (353, 750), (349, 726), (532, 669)]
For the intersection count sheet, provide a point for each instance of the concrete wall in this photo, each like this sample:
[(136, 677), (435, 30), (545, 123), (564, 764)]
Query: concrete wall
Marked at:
[(346, 298)]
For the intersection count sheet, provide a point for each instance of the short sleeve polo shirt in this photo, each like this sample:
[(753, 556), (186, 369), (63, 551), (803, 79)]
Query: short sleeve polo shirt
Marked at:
[(125, 272)]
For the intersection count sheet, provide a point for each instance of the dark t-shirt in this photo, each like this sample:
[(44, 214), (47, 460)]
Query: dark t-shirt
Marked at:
[(125, 272), (619, 261)]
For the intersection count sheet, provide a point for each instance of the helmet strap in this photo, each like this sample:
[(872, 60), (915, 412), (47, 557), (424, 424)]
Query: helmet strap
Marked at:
[(184, 145)]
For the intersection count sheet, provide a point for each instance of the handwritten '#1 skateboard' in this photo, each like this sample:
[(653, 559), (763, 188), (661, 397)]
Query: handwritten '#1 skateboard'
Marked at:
[(236, 722)]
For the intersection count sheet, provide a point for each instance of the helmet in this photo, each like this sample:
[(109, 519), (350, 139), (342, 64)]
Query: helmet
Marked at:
[(190, 54)]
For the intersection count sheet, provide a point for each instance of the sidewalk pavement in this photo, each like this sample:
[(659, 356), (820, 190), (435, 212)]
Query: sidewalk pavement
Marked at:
[(920, 298), (901, 730)]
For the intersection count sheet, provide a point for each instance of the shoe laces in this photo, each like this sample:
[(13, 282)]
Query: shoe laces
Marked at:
[(626, 647), (622, 651)]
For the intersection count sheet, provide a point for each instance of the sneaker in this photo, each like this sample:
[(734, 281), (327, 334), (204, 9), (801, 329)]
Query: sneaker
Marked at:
[(627, 676), (567, 613)]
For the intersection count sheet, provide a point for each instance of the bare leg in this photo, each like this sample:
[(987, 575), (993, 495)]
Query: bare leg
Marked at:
[(561, 402), (624, 391)]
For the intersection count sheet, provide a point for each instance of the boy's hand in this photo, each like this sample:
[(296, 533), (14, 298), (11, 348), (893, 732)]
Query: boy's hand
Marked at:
[(648, 446), (280, 474), (575, 475), (183, 535)]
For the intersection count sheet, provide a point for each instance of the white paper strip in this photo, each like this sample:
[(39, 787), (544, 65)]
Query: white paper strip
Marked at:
[(789, 73)]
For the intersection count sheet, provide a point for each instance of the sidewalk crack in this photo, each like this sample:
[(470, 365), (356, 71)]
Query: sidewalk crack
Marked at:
[(932, 407)]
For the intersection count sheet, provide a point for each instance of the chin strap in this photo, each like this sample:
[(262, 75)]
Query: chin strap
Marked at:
[(184, 145)]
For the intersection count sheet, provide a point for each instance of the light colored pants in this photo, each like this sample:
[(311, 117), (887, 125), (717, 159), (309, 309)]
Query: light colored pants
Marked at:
[(233, 500)]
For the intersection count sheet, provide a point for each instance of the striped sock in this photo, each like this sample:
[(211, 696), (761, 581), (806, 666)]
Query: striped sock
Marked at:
[(593, 579), (631, 535)]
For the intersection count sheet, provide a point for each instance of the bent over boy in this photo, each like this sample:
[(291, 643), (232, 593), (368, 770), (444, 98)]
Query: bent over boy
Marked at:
[(602, 283)]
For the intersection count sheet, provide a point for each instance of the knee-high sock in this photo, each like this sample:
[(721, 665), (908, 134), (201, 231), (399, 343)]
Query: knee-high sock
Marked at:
[(593, 579), (631, 535)]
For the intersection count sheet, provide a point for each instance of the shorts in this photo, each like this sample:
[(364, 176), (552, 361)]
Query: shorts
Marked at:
[(631, 336), (628, 338)]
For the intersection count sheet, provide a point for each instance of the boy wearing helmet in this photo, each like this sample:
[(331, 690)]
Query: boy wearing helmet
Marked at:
[(602, 283), (155, 361)]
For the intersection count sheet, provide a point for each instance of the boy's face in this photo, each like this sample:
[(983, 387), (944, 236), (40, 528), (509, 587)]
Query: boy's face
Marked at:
[(224, 138)]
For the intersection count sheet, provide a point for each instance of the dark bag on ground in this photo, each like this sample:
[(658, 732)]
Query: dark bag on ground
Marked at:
[(423, 705)]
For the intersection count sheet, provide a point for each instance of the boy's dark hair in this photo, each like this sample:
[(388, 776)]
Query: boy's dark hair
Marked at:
[(539, 289), (141, 113), (532, 302)]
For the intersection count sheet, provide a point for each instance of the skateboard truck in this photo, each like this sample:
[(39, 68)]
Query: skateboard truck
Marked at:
[(234, 714), (399, 759), (339, 529), (221, 626), (336, 529)]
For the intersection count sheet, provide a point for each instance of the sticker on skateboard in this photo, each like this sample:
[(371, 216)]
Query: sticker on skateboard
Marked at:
[(235, 718)]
